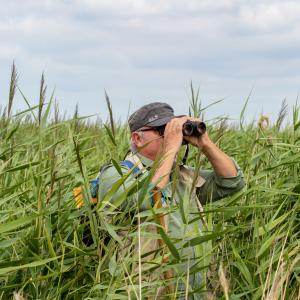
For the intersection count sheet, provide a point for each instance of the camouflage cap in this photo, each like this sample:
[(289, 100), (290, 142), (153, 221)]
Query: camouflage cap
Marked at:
[(154, 114)]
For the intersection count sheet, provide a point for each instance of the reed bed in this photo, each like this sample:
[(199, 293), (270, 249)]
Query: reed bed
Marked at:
[(249, 249)]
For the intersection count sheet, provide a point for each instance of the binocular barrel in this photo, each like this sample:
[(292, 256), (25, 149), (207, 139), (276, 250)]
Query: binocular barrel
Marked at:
[(191, 128)]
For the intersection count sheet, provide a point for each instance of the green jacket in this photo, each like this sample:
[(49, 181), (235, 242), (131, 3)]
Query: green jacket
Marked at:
[(181, 205)]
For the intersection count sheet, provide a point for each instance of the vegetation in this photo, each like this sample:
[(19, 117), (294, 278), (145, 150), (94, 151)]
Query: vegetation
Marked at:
[(249, 248)]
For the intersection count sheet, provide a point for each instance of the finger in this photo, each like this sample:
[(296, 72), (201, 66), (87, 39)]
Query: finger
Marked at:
[(180, 120), (194, 119), (176, 124)]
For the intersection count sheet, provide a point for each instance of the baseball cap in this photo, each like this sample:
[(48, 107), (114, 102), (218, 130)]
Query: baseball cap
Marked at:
[(154, 114)]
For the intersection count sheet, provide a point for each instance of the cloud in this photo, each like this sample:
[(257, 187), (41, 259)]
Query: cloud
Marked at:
[(271, 17), (139, 49)]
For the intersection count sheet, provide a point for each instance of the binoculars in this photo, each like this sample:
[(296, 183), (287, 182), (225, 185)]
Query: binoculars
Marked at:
[(192, 128)]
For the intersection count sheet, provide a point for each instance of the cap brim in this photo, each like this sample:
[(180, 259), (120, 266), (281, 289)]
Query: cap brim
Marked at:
[(160, 122)]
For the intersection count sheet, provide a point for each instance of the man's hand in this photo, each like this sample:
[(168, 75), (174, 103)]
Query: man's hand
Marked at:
[(222, 164), (198, 141), (172, 142), (173, 135)]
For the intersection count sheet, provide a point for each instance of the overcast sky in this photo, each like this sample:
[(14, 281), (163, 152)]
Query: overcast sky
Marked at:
[(142, 51)]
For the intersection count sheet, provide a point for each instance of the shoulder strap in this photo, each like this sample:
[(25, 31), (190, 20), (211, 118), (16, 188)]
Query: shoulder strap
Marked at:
[(129, 164)]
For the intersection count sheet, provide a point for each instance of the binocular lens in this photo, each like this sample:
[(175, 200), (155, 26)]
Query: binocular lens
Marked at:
[(188, 129), (193, 128), (201, 128)]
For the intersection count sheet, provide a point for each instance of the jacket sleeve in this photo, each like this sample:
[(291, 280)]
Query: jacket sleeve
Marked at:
[(217, 187)]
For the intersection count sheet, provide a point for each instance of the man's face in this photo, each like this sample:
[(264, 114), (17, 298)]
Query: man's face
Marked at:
[(148, 140)]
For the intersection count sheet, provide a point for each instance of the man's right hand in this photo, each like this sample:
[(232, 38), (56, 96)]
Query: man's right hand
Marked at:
[(172, 142), (173, 135)]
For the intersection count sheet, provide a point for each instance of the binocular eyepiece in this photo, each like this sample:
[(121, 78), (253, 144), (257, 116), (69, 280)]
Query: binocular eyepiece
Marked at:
[(192, 128)]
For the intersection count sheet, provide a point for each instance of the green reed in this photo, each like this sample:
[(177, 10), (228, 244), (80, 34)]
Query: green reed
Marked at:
[(248, 250)]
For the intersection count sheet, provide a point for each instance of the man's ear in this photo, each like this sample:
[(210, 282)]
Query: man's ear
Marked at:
[(137, 139)]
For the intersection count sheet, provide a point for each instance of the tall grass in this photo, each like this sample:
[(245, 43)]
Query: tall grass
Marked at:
[(248, 250)]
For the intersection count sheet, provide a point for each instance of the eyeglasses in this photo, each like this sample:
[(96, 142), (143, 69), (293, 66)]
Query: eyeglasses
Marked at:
[(160, 129)]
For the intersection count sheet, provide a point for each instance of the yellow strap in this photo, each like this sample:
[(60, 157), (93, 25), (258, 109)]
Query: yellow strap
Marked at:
[(77, 193), (168, 274)]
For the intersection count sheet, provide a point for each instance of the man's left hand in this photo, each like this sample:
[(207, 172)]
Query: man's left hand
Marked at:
[(200, 141)]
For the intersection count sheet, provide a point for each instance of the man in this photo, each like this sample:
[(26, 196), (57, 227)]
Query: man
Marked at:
[(156, 138)]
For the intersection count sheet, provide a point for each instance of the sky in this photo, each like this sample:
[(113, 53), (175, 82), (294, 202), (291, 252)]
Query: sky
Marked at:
[(143, 51)]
